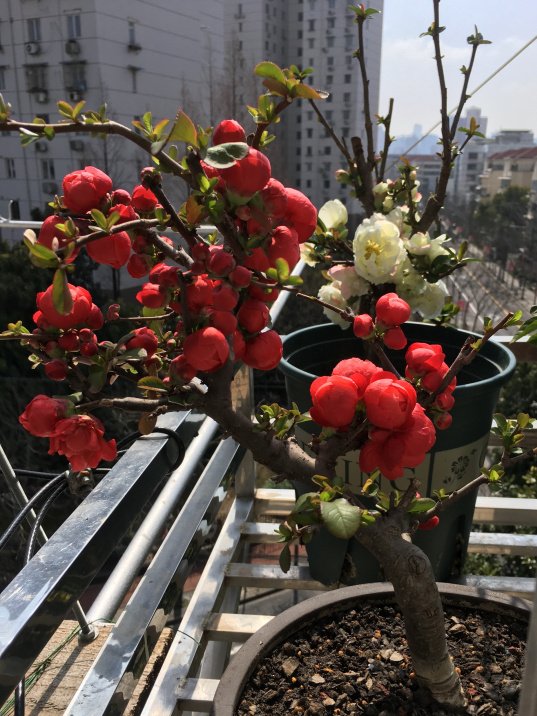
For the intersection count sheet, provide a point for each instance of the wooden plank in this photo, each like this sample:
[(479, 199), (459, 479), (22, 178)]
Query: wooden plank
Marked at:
[(234, 627), (274, 501), (62, 676), (506, 511), (197, 694), (502, 543), (271, 577), (516, 586), (260, 532)]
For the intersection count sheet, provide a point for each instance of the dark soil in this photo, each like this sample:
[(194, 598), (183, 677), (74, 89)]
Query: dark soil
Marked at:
[(358, 664)]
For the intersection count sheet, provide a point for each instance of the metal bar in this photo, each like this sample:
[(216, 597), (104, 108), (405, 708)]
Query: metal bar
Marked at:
[(121, 578), (185, 651), (517, 586), (501, 543), (100, 683), (198, 694), (36, 601)]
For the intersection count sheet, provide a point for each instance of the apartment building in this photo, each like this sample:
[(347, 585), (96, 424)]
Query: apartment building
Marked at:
[(136, 56)]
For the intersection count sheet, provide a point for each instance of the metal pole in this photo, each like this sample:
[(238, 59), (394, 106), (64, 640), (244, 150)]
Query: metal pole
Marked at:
[(88, 632), (125, 571)]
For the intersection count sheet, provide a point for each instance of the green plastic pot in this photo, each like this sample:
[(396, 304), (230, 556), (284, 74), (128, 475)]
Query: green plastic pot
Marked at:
[(454, 460)]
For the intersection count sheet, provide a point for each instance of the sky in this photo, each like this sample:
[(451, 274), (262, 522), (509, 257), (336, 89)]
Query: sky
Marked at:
[(408, 70)]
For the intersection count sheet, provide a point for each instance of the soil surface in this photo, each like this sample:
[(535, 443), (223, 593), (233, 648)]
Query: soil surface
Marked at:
[(358, 663)]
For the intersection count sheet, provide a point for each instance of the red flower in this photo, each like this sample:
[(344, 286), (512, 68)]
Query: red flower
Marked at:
[(257, 260), (423, 358), (249, 174), (79, 314), (42, 414), (224, 296), (392, 310), (389, 402), (138, 265), (300, 214), (181, 369), (143, 199), (225, 321), (48, 232), (253, 315), (356, 366), (85, 189), (263, 351), (121, 196), (429, 524), (56, 369), (199, 293), (113, 250), (81, 439), (152, 295), (164, 275), (335, 399), (229, 130), (206, 350), (125, 211), (274, 198), (144, 338), (220, 262), (284, 245), (240, 277), (395, 339), (363, 326)]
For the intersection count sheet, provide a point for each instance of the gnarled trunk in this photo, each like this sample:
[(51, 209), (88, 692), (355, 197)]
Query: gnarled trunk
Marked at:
[(411, 574)]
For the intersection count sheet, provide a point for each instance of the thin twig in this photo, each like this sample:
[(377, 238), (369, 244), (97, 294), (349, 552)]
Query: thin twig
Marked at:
[(387, 142)]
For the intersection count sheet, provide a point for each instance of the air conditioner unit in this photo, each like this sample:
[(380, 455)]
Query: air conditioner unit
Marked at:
[(49, 187), (41, 147), (33, 48), (72, 47), (77, 145), (41, 96), (75, 96)]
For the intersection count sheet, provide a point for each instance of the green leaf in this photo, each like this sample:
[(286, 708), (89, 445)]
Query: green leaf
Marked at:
[(147, 121), (61, 296), (307, 92), (282, 267), (423, 504), (152, 383), (41, 256), (100, 219), (78, 108), (184, 130), (270, 70), (285, 559), (341, 518), (65, 109), (275, 87), (225, 155), (97, 377)]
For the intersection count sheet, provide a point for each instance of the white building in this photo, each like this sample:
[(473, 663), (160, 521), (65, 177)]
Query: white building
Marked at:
[(463, 184), (155, 55)]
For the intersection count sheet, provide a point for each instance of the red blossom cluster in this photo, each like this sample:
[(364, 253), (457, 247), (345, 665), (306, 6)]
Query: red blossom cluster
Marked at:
[(391, 311), (79, 437)]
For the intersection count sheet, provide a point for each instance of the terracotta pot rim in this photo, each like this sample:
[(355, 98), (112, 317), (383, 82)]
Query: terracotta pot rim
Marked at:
[(301, 615)]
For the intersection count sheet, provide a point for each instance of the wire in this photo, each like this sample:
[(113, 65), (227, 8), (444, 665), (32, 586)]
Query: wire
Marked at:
[(470, 94), (29, 505)]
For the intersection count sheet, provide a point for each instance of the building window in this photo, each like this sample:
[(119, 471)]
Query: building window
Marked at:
[(74, 29), (331, 23), (309, 133), (240, 26), (330, 42), (300, 16), (348, 42), (308, 152), (298, 167), (311, 43), (330, 62), (36, 77), (74, 76), (47, 169), (326, 183), (311, 25), (347, 79), (347, 97), (132, 32), (309, 115), (309, 167), (2, 78), (10, 168), (134, 78), (329, 114), (299, 135), (328, 150), (33, 29), (308, 183), (346, 116), (299, 34), (331, 4), (329, 79)]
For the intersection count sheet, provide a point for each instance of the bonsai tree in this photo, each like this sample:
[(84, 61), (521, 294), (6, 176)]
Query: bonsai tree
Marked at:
[(204, 312)]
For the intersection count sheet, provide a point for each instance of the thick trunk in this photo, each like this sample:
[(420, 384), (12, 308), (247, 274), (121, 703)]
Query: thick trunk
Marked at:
[(411, 574)]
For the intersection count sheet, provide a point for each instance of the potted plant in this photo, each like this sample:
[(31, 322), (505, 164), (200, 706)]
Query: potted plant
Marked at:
[(205, 312)]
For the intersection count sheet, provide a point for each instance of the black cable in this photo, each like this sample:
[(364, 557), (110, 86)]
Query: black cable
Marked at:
[(166, 431), (29, 505), (30, 546)]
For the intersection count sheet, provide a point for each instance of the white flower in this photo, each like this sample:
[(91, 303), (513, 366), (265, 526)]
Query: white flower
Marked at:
[(387, 204), (422, 245), (378, 249), (350, 284), (431, 301), (333, 214), (307, 253), (409, 282), (331, 293), (397, 217)]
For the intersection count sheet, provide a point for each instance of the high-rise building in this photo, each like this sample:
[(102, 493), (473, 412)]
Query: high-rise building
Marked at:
[(136, 56), (463, 184), (308, 33)]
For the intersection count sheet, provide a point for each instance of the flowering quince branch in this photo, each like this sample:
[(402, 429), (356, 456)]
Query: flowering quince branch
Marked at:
[(207, 313)]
